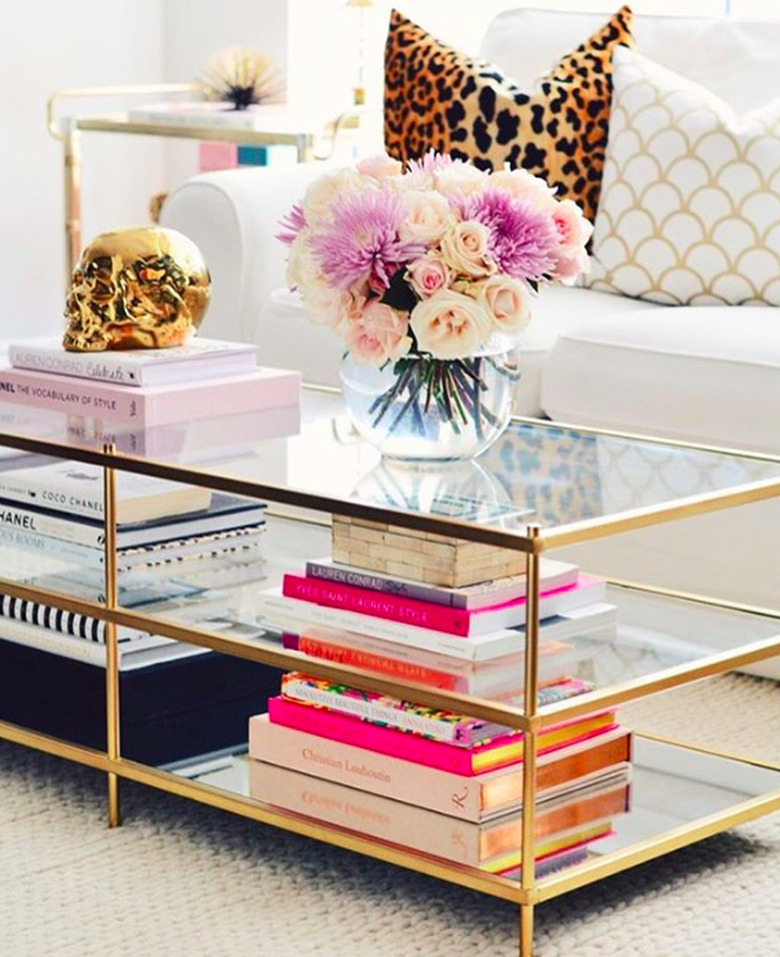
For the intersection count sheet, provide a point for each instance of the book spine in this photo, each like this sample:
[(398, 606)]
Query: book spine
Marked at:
[(111, 368), (77, 533), (370, 814), (405, 611), (359, 579), (52, 619), (355, 657), (86, 503), (390, 712), (377, 627), (338, 727), (42, 639), (393, 778), (71, 397)]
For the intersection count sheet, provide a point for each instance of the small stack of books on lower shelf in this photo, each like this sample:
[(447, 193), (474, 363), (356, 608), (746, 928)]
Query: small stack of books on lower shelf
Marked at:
[(421, 608), (52, 535)]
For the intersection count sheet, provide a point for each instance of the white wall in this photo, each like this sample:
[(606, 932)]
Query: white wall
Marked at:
[(194, 29), (45, 45)]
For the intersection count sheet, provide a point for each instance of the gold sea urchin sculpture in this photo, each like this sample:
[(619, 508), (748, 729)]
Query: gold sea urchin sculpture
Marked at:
[(243, 78), (144, 288)]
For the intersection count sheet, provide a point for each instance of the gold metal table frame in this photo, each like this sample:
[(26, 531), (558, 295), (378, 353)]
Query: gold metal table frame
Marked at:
[(69, 132), (528, 892)]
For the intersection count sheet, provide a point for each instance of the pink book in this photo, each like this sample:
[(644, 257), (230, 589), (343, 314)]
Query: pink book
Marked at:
[(475, 798), (491, 845), (501, 751), (215, 156), (454, 621), (152, 406)]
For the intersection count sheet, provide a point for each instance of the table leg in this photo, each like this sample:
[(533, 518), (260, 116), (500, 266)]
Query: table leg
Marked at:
[(112, 648), (531, 689), (526, 930), (72, 156)]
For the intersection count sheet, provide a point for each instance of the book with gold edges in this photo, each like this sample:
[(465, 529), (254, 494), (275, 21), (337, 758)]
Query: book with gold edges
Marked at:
[(499, 752), (493, 846), (475, 798)]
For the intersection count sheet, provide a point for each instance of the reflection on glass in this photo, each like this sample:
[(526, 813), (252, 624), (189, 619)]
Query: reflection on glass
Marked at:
[(665, 786), (554, 475)]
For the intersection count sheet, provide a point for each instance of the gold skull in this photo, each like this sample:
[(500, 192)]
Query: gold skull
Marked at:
[(145, 288)]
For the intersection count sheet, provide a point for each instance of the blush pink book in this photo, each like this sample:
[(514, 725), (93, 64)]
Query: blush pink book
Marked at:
[(498, 753), (152, 406), (470, 798), (454, 621)]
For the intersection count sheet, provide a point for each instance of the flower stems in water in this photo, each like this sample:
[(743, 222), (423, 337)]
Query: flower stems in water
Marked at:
[(453, 388)]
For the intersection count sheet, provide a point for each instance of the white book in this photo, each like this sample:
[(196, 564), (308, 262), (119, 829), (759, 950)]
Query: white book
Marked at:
[(496, 678), (74, 488), (225, 514), (199, 359), (167, 554), (552, 575), (136, 652), (292, 615)]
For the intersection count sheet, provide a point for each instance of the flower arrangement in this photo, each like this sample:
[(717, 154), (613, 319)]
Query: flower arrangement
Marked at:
[(422, 268)]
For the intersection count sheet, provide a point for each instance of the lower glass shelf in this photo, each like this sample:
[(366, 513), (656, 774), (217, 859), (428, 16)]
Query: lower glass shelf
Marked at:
[(674, 795)]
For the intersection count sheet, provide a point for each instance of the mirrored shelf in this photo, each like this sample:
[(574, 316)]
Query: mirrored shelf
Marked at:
[(669, 789)]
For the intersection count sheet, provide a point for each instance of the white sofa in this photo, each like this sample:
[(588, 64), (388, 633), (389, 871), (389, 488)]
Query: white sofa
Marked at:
[(706, 374)]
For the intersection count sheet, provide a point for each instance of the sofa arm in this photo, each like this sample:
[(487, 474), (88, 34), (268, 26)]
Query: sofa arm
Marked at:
[(233, 216)]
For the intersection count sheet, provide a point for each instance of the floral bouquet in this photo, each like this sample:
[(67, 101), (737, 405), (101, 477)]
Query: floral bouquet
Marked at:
[(427, 274)]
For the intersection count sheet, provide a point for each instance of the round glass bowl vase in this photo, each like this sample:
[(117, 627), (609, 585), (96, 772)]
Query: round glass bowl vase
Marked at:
[(420, 408)]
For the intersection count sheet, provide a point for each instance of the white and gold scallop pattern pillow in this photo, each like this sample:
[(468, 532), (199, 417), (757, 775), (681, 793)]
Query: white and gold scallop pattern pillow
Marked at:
[(690, 202)]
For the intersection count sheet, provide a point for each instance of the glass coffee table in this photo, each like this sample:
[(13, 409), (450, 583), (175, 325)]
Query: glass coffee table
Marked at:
[(540, 488)]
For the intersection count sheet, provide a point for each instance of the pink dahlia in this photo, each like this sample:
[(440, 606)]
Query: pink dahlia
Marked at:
[(291, 225), (360, 244), (431, 162), (523, 241)]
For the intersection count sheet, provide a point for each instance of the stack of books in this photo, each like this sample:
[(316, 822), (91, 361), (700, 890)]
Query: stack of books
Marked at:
[(436, 781), (144, 399), (180, 549)]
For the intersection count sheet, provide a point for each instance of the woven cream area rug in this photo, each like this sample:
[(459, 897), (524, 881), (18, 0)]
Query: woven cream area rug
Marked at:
[(180, 879)]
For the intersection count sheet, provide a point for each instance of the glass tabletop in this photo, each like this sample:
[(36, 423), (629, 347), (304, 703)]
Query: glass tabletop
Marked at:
[(537, 472)]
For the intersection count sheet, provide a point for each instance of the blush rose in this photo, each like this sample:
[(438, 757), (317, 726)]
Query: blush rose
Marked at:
[(378, 334), (428, 275)]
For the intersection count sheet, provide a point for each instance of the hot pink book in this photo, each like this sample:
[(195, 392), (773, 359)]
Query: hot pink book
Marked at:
[(152, 406), (454, 621), (498, 753)]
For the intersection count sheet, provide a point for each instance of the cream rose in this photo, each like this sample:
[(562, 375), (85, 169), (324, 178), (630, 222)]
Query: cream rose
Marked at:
[(325, 305), (461, 178), (507, 301), (380, 166), (428, 217), (450, 325), (465, 249), (428, 275), (302, 267), (521, 184), (319, 197), (378, 334)]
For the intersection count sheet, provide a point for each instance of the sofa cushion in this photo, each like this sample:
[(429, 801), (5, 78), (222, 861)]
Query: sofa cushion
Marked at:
[(689, 211), (439, 98), (705, 375), (736, 59)]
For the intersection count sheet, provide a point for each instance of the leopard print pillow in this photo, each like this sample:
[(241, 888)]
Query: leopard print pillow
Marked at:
[(437, 98)]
